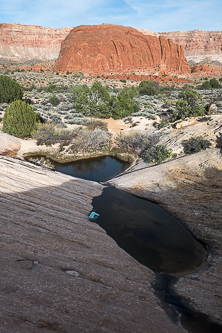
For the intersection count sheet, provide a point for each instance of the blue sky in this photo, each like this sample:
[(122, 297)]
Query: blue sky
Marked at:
[(156, 15)]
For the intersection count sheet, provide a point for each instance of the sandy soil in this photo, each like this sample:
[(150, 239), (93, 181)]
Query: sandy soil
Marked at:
[(118, 126), (29, 145)]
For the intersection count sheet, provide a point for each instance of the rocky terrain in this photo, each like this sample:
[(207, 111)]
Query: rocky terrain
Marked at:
[(34, 43), (110, 48), (190, 188), (9, 145), (60, 272), (29, 42), (198, 45)]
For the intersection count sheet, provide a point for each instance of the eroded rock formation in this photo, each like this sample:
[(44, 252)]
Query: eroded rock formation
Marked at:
[(29, 42), (109, 48), (198, 45), (60, 272)]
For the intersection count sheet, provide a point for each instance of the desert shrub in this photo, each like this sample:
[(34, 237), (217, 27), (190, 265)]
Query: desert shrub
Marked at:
[(97, 101), (211, 84), (135, 142), (55, 119), (128, 120), (157, 154), (194, 145), (10, 90), (197, 110), (205, 118), (191, 96), (86, 141), (206, 85), (97, 124), (165, 90), (148, 87), (124, 104), (54, 100), (152, 87), (163, 123), (75, 91), (49, 132), (183, 110), (19, 119), (214, 83), (77, 121)]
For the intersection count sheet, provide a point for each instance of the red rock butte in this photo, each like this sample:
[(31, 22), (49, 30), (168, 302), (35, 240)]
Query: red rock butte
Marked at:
[(107, 48)]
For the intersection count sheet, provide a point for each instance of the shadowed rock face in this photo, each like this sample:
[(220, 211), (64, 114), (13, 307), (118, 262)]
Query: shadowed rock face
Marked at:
[(190, 188), (60, 272), (106, 48)]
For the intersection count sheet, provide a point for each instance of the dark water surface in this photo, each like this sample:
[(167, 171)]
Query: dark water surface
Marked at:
[(99, 169), (151, 235), (148, 233)]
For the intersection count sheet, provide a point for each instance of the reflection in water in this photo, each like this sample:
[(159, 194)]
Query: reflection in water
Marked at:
[(99, 169), (149, 233)]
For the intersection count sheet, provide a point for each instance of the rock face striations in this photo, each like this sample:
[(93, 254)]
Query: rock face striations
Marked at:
[(60, 272), (110, 48), (198, 45), (29, 42)]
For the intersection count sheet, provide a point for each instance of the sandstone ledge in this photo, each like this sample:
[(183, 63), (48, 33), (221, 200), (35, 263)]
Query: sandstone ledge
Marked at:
[(190, 188), (59, 272)]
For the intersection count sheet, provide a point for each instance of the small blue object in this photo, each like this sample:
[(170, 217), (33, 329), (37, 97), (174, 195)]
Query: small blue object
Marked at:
[(93, 216)]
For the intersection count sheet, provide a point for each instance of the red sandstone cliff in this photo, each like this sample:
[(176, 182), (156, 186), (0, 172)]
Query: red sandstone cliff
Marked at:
[(198, 45), (111, 48), (27, 42)]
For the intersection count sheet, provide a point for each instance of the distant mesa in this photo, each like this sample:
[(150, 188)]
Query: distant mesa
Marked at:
[(30, 42), (107, 48), (198, 45), (110, 48)]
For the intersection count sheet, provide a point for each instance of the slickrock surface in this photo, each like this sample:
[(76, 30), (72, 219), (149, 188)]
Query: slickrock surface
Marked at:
[(106, 48), (60, 272), (190, 188), (27, 42), (187, 129), (9, 144)]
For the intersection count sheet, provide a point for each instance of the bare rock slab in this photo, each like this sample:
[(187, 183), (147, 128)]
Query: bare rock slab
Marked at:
[(60, 272), (190, 188)]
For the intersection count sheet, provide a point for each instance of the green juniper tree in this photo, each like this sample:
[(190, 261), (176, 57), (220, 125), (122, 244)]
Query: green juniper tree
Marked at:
[(188, 106), (10, 90), (19, 119)]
